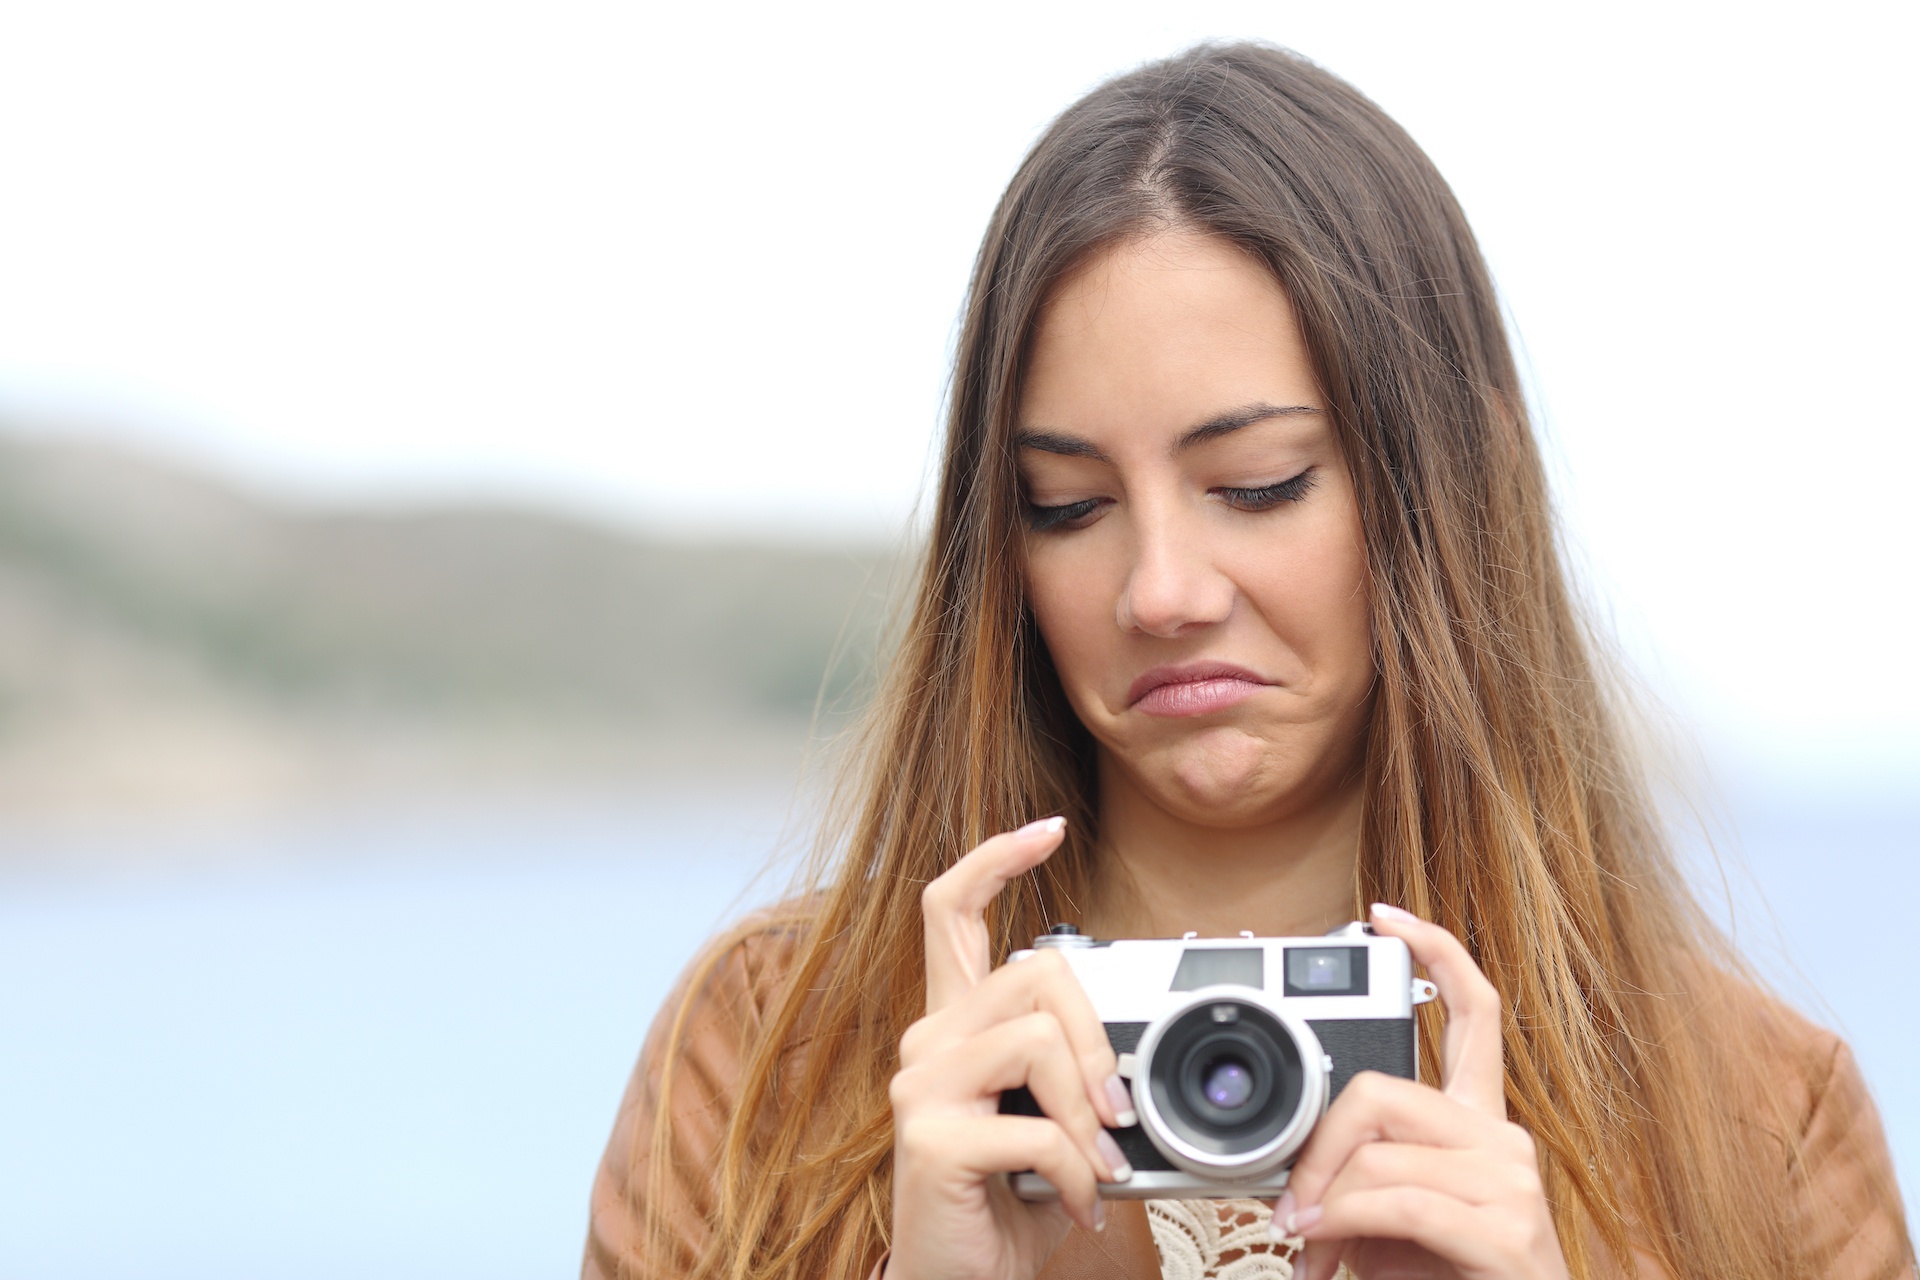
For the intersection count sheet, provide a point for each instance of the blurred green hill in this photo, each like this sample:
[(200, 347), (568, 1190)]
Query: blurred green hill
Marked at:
[(168, 640)]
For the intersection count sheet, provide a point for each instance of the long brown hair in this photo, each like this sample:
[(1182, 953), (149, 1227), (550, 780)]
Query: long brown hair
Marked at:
[(1502, 799)]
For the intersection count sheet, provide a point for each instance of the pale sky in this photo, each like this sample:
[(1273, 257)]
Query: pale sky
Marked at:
[(698, 267)]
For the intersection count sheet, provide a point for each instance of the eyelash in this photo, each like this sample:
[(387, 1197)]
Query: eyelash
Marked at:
[(1265, 498), (1040, 519)]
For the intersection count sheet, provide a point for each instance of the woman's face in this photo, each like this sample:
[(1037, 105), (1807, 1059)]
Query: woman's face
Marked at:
[(1194, 556)]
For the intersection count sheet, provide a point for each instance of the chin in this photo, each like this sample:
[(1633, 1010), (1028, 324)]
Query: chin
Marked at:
[(1224, 777)]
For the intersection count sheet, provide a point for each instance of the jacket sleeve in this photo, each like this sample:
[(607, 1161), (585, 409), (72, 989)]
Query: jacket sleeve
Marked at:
[(1850, 1218), (712, 1018)]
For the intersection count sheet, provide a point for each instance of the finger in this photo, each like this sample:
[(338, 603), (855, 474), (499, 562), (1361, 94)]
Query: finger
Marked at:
[(1043, 983), (1472, 1067), (1479, 1176), (958, 954), (1471, 1239), (1320, 1259), (970, 1148), (1375, 1107), (1031, 1051)]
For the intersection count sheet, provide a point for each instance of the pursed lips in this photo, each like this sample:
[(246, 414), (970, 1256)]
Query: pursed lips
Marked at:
[(1193, 689)]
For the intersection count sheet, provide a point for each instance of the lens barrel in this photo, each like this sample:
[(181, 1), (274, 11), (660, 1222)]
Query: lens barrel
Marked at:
[(1227, 1086)]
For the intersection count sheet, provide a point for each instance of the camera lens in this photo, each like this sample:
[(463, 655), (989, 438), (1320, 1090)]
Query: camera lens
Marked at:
[(1226, 1080), (1228, 1084)]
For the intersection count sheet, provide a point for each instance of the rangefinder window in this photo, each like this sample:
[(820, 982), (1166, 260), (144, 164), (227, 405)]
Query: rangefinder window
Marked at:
[(1326, 971), (1210, 966)]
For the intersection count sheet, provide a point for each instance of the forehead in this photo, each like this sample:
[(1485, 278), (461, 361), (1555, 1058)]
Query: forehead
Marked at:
[(1160, 332)]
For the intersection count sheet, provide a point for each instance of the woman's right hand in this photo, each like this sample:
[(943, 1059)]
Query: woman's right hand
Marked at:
[(987, 1030)]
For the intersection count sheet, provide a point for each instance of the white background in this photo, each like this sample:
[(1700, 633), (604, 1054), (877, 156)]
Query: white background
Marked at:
[(697, 267)]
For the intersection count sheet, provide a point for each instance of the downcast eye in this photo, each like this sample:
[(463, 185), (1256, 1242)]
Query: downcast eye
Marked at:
[(1040, 519), (1266, 497)]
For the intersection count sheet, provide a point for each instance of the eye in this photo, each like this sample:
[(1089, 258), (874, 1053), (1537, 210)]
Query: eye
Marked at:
[(1069, 516), (1269, 496)]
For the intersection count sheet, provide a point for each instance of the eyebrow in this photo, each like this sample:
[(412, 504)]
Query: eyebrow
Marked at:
[(1071, 446)]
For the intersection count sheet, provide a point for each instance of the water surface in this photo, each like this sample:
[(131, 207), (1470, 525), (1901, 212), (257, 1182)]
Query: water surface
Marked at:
[(392, 1046)]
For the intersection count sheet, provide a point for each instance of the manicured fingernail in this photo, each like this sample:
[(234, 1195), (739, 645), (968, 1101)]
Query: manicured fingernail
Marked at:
[(1282, 1210), (1111, 1153), (1048, 825), (1303, 1219), (1386, 912), (1099, 1215), (1122, 1099)]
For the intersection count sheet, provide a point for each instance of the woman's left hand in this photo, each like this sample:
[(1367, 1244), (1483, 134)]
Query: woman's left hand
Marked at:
[(1404, 1180)]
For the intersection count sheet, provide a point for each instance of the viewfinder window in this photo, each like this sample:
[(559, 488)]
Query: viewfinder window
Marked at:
[(1326, 971), (1211, 966)]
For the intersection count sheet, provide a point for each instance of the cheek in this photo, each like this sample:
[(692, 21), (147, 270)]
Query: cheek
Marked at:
[(1314, 596), (1073, 609)]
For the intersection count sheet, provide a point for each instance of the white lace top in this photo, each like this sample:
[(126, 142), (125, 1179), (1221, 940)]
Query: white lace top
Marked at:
[(1218, 1240)]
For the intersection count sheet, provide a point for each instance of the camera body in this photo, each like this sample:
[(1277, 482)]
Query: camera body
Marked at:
[(1234, 1048)]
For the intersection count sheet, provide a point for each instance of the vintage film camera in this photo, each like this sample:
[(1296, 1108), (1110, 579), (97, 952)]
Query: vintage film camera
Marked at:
[(1235, 1047)]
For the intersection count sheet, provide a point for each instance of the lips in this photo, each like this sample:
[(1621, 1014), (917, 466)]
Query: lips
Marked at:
[(1193, 689)]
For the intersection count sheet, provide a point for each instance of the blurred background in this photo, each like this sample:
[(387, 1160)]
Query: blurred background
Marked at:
[(448, 451)]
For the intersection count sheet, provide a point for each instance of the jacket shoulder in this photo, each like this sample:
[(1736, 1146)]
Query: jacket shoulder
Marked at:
[(741, 970), (1842, 1198), (1792, 1059), (689, 1072)]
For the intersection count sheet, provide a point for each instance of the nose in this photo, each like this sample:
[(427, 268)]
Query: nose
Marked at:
[(1174, 587)]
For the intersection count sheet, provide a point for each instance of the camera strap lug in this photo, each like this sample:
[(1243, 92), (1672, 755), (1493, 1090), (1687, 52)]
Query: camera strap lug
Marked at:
[(1423, 991)]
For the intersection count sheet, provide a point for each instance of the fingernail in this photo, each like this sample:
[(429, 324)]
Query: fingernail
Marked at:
[(1048, 825), (1099, 1215), (1110, 1152), (1282, 1210), (1386, 912), (1303, 1219), (1122, 1099)]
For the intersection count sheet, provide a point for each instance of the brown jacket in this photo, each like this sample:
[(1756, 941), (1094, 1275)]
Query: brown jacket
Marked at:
[(1840, 1141)]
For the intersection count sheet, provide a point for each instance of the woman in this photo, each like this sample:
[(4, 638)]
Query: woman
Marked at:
[(1243, 568)]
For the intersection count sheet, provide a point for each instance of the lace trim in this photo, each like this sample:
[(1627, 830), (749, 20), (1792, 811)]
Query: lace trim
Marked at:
[(1218, 1240)]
